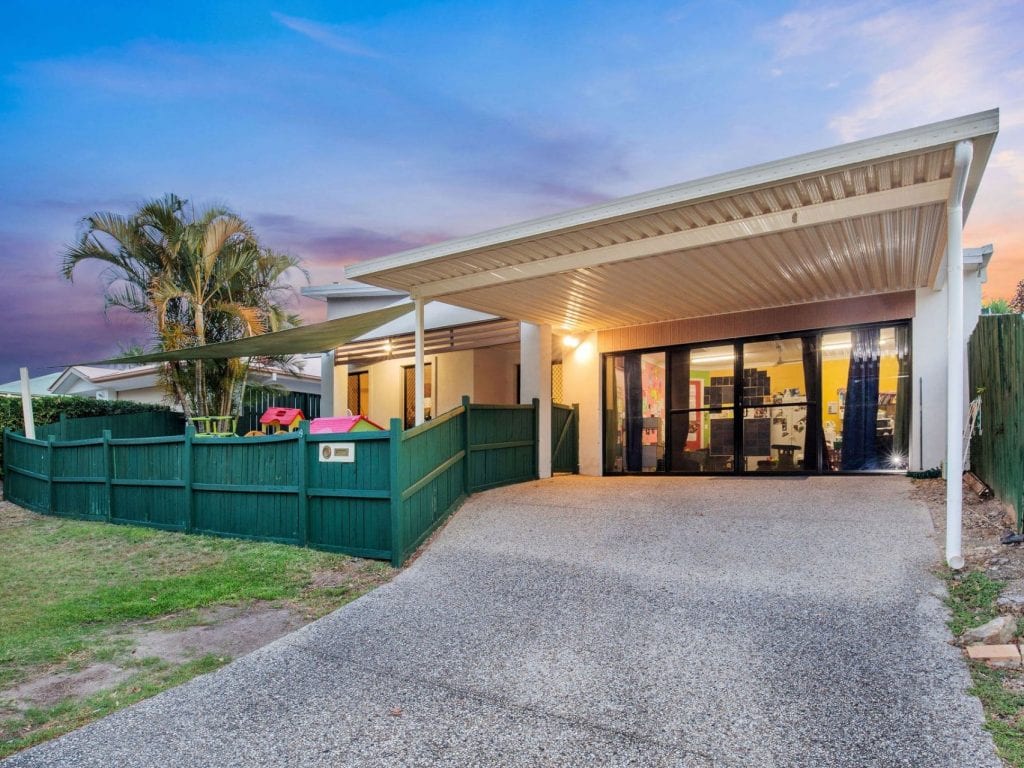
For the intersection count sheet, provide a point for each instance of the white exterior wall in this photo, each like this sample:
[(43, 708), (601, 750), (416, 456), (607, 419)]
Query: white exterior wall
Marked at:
[(486, 375), (928, 444), (581, 384), (535, 382), (494, 376)]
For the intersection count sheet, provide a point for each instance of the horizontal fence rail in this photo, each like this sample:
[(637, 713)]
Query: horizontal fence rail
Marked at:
[(392, 491), (996, 369)]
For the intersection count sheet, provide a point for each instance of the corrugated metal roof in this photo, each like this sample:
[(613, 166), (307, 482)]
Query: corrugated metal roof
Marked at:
[(854, 220)]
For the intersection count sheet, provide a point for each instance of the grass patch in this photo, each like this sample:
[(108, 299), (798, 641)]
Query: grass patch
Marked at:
[(73, 589), (972, 601)]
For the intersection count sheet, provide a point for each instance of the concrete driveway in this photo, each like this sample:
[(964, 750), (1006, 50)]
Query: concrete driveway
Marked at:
[(580, 621)]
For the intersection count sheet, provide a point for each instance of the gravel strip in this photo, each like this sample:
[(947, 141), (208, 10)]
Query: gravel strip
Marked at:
[(619, 621)]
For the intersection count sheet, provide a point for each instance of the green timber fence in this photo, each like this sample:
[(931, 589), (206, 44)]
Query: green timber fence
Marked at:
[(996, 369), (383, 504), (143, 424)]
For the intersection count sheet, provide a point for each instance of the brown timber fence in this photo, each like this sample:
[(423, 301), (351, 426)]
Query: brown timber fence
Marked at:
[(398, 487), (996, 368)]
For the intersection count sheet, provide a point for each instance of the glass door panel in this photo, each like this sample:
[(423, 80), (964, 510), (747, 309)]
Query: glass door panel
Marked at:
[(865, 409), (778, 384), (703, 441), (614, 413), (702, 416), (635, 412)]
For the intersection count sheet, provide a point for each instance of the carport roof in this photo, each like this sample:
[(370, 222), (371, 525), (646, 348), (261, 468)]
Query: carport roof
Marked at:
[(857, 219)]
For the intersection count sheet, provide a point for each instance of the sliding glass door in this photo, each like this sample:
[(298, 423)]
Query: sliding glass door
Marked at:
[(703, 429), (635, 412), (821, 401), (866, 393)]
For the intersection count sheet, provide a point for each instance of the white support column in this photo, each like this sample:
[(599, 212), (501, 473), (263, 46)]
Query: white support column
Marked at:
[(535, 382), (419, 363), (327, 407), (26, 405), (955, 354)]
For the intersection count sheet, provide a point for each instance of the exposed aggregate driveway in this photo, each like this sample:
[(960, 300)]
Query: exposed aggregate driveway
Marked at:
[(617, 621)]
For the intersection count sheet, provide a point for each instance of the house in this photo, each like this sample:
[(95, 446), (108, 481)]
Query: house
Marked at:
[(805, 316), (141, 383), (466, 353)]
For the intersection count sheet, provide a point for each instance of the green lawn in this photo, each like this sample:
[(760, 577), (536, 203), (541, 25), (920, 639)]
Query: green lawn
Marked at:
[(72, 589), (972, 600)]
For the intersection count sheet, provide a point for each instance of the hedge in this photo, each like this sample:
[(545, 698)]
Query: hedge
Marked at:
[(47, 409)]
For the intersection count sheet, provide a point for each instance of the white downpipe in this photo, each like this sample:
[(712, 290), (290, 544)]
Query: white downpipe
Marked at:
[(419, 363), (955, 354), (26, 405)]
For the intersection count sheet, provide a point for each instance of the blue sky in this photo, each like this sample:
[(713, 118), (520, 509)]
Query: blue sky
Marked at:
[(346, 131)]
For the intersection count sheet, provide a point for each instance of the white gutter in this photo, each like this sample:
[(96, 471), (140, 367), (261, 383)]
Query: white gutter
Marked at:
[(955, 353)]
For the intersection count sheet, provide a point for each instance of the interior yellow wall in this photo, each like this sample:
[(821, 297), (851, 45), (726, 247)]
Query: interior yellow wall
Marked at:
[(835, 375)]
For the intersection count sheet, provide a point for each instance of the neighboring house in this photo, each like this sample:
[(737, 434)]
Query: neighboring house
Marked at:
[(141, 384), (788, 317)]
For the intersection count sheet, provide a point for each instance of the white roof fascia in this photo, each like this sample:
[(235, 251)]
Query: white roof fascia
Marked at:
[(976, 260), (348, 290), (891, 145)]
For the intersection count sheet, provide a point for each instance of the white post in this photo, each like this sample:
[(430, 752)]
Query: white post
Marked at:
[(327, 406), (419, 362), (535, 381), (26, 405), (955, 354)]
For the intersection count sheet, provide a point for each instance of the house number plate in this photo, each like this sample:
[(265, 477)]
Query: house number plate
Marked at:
[(345, 452)]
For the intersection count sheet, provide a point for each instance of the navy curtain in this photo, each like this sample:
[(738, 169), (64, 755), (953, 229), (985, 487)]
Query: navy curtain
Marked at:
[(860, 419), (634, 415), (814, 438)]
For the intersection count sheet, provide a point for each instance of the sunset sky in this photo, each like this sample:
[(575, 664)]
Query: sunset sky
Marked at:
[(344, 131)]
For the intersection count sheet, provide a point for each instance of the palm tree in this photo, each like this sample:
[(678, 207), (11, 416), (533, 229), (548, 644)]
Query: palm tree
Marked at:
[(199, 277)]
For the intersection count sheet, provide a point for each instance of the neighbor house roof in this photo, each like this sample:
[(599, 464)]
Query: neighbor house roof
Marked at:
[(853, 220), (38, 385)]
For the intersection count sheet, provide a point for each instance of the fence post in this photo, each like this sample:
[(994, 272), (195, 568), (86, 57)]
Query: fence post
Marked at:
[(394, 449), (62, 421), (536, 438), (108, 472), (303, 468), (186, 477), (7, 454), (466, 446), (576, 438), (50, 467)]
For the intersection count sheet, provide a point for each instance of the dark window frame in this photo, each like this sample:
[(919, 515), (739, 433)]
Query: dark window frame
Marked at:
[(738, 407)]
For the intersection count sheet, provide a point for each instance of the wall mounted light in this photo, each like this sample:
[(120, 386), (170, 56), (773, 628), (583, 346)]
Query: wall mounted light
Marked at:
[(570, 341)]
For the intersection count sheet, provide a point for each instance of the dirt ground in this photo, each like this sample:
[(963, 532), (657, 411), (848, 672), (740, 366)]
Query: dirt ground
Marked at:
[(985, 522), (226, 631)]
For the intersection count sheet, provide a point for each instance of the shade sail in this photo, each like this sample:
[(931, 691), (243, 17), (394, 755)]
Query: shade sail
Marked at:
[(319, 337)]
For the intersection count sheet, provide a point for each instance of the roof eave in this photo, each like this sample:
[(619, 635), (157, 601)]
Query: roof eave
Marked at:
[(981, 127)]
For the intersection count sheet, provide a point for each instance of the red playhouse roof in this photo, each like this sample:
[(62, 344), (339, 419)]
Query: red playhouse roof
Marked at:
[(281, 415), (337, 424)]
